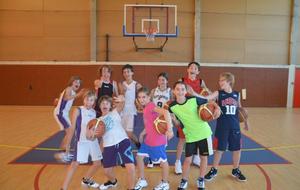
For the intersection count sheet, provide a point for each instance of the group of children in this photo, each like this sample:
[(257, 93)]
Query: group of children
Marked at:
[(115, 105)]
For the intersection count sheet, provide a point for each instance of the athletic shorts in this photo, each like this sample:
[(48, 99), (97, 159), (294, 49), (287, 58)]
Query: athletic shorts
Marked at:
[(204, 146), (86, 148), (63, 120), (120, 153), (128, 122), (228, 138), (157, 154)]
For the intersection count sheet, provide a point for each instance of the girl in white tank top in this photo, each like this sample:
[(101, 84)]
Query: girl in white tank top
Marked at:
[(162, 93)]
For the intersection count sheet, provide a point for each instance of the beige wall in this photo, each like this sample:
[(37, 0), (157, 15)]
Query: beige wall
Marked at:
[(245, 31), (44, 30)]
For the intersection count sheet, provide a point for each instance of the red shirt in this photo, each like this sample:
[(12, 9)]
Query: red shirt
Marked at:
[(195, 84)]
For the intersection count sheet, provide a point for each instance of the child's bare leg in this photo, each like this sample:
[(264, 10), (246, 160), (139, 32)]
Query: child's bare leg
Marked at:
[(130, 175), (140, 165), (92, 170), (180, 146), (203, 166), (165, 171), (71, 169), (186, 167), (63, 143), (236, 156), (110, 174), (217, 158)]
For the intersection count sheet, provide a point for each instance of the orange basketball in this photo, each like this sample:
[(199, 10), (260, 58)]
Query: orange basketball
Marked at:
[(207, 111), (243, 114), (96, 125), (204, 92), (160, 125)]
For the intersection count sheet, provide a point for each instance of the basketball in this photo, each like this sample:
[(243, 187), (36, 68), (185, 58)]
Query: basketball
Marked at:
[(96, 124), (204, 92), (243, 114), (160, 125), (206, 111)]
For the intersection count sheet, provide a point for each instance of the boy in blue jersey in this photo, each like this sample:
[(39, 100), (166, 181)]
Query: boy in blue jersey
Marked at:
[(228, 133)]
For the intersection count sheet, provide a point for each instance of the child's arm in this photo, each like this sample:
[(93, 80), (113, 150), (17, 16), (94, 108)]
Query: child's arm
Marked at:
[(120, 101), (138, 86), (203, 85), (142, 134), (213, 96), (68, 94), (168, 119), (72, 129), (246, 122), (98, 83), (115, 88), (122, 88)]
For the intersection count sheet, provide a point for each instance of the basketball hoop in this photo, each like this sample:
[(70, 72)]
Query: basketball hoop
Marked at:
[(150, 34)]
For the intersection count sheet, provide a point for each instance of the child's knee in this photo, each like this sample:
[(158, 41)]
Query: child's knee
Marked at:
[(188, 160), (97, 163)]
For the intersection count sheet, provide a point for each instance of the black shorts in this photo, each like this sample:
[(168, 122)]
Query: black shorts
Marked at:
[(230, 139), (204, 146)]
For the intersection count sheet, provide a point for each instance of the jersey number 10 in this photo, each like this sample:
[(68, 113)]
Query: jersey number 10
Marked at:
[(230, 110)]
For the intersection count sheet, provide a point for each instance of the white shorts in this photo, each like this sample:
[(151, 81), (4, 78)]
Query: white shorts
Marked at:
[(86, 148), (63, 121), (128, 122)]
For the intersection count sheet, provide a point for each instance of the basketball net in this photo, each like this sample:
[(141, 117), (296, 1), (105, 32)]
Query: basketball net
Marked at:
[(150, 34)]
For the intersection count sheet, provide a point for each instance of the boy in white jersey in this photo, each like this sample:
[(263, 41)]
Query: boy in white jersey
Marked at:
[(84, 147), (117, 148), (128, 88), (62, 109)]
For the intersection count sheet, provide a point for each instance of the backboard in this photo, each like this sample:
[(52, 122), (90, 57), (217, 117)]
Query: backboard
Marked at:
[(138, 18)]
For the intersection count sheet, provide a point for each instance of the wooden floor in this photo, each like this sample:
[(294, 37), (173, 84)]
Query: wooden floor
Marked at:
[(22, 127)]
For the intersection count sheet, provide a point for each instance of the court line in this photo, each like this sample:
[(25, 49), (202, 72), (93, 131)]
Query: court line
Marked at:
[(37, 177), (268, 180), (168, 151)]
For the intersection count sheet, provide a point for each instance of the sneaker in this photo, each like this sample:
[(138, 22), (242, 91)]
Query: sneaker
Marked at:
[(200, 184), (183, 184), (141, 184), (213, 172), (108, 185), (178, 169), (89, 183), (63, 157), (196, 160), (238, 174), (162, 186), (150, 164)]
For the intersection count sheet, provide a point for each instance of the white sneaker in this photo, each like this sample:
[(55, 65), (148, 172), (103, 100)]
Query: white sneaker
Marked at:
[(196, 160), (108, 185), (141, 184), (89, 183), (178, 169), (162, 186), (150, 164), (63, 157)]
